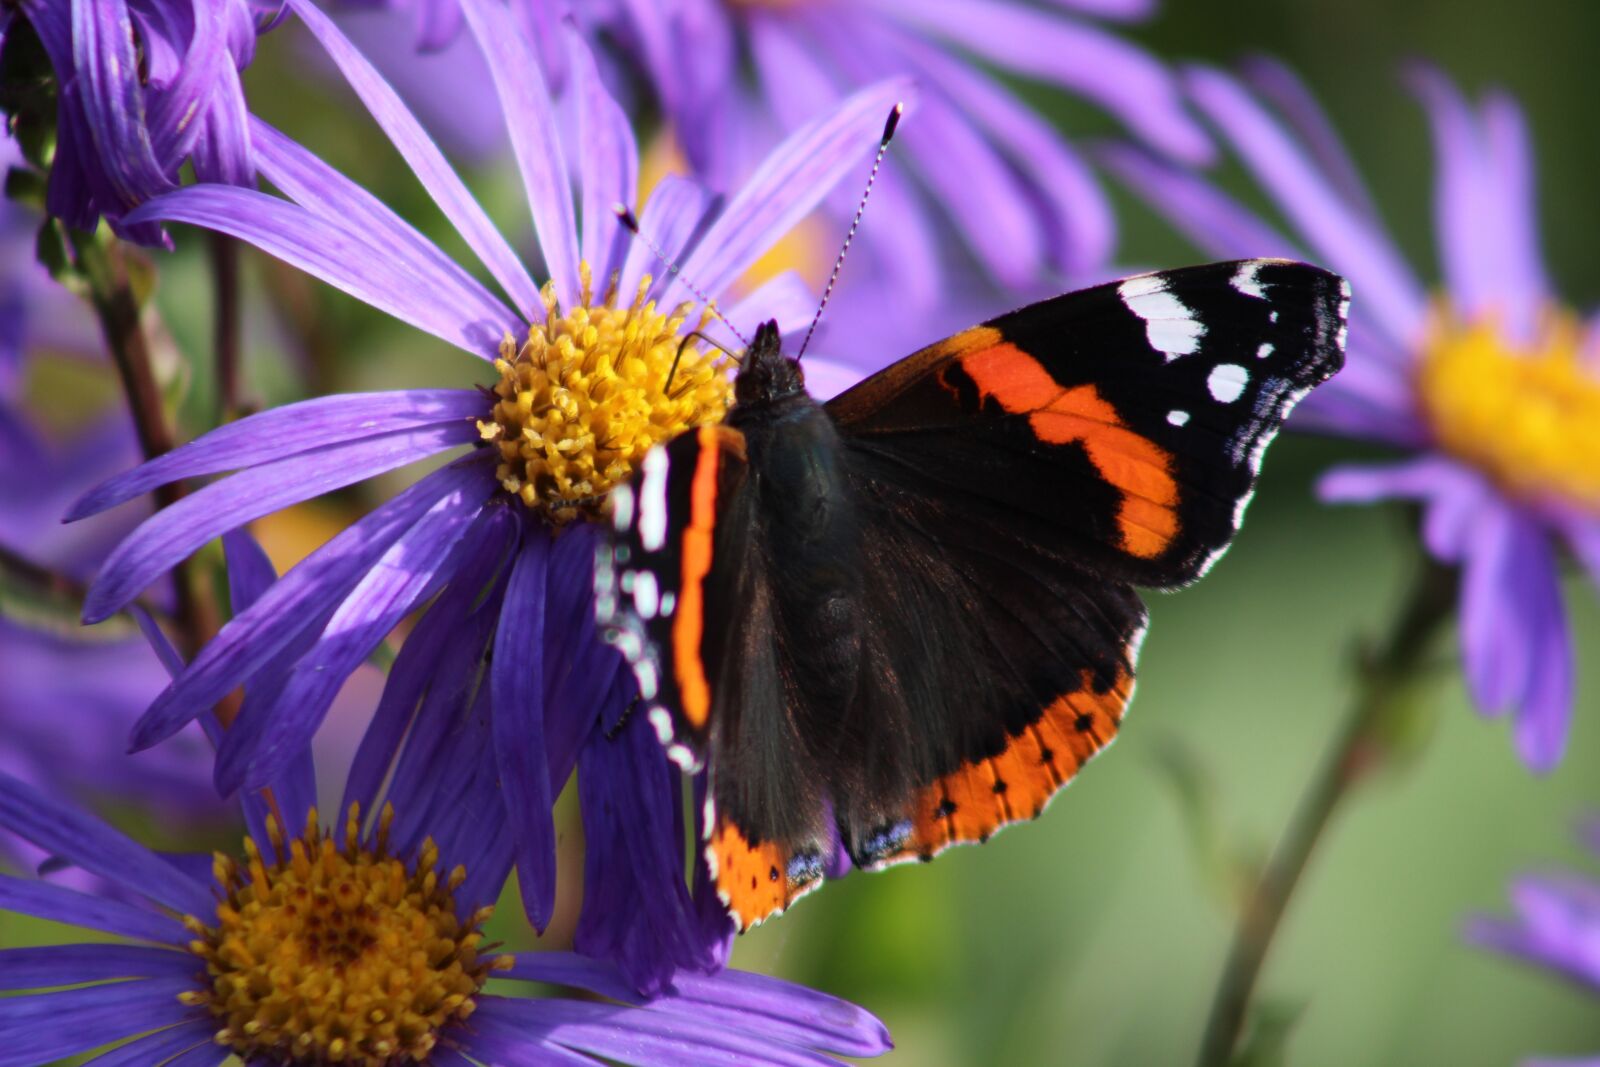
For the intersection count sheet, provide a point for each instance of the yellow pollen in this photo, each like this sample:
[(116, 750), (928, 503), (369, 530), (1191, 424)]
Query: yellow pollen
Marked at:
[(325, 955), (586, 395), (1528, 415)]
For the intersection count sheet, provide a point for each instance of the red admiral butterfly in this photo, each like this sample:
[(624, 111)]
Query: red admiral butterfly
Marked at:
[(904, 618)]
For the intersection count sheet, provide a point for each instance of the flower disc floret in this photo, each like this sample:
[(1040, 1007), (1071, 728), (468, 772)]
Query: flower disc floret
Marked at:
[(323, 954), (1527, 414), (589, 392)]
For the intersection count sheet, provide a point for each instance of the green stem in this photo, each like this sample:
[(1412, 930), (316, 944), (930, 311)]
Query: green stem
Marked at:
[(1384, 688), (225, 323)]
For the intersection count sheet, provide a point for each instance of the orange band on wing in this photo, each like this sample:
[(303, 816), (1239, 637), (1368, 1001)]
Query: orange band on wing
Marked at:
[(688, 626), (980, 797), (1140, 469), (752, 881)]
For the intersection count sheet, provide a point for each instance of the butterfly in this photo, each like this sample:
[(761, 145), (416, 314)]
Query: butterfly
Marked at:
[(904, 618)]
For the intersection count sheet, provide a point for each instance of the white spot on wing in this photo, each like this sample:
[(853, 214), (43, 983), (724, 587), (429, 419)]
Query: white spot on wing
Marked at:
[(1265, 350), (653, 500), (661, 721), (1178, 418), (646, 595), (622, 507), (681, 755), (1247, 279), (644, 672), (1169, 323), (1227, 382), (669, 600)]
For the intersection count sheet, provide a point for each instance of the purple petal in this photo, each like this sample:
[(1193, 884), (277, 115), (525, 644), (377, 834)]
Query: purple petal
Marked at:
[(61, 965), (287, 431), (427, 162), (789, 184), (608, 161), (408, 572), (586, 676), (1454, 496), (1347, 241), (1545, 715), (1276, 82), (298, 599), (424, 663), (250, 572), (1116, 74), (1494, 649), (157, 1047), (97, 848), (106, 66), (670, 217), (46, 1026), (784, 298), (45, 901), (173, 533), (331, 250), (314, 185), (202, 1055), (531, 120), (1524, 287), (633, 1036), (517, 688)]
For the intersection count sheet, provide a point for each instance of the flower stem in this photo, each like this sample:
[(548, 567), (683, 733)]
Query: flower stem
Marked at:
[(225, 323), (1384, 690), (103, 262)]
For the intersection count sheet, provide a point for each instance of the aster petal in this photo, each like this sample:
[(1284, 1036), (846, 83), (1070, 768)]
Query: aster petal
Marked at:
[(587, 677), (408, 572), (1454, 496), (423, 664), (96, 848), (789, 184), (741, 1000), (61, 965), (531, 120), (1524, 286), (157, 1047), (281, 432), (785, 299), (1494, 651), (45, 901), (223, 151), (327, 249), (608, 160), (203, 1055), (1080, 230), (676, 208), (314, 185), (1345, 239), (1085, 59), (826, 378), (517, 687), (984, 196), (1282, 87), (173, 533), (1462, 198), (300, 598), (634, 1036), (173, 116), (426, 161), (1545, 712), (45, 1026), (106, 65)]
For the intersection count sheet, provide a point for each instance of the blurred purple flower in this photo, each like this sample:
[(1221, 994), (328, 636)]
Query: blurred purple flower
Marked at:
[(1556, 927), (511, 630), (144, 87), (225, 955), (1490, 388)]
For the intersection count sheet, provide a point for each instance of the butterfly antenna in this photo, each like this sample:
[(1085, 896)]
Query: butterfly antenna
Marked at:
[(626, 217), (877, 161)]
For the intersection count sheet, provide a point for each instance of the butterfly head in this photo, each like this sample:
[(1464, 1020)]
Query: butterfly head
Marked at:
[(766, 375)]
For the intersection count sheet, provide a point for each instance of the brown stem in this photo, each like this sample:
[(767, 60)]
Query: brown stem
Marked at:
[(225, 323), (1383, 688), (104, 264)]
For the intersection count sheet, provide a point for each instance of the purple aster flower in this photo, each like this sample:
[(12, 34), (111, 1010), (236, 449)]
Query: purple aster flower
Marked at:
[(361, 944), (1489, 388), (143, 87), (494, 543), (1556, 927), (1022, 201)]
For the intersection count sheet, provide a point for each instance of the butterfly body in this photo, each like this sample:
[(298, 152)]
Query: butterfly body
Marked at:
[(903, 619)]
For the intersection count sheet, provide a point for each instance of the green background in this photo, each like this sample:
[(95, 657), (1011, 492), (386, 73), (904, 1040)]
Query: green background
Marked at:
[(1095, 935)]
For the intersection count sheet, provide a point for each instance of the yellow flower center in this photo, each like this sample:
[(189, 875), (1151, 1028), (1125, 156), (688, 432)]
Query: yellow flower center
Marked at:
[(329, 955), (586, 395), (1526, 414)]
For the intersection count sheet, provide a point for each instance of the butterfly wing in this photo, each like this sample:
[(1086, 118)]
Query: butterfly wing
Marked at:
[(1128, 419), (682, 590), (1017, 480)]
